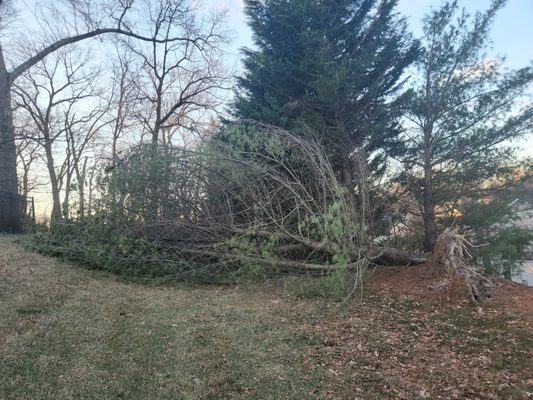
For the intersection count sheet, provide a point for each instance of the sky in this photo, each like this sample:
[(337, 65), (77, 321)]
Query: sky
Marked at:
[(512, 32)]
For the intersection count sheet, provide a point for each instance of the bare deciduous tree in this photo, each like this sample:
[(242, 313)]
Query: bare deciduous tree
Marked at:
[(179, 81), (81, 131), (79, 20), (122, 96), (27, 153), (49, 95)]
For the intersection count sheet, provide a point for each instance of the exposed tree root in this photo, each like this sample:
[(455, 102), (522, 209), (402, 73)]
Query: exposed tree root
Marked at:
[(449, 257)]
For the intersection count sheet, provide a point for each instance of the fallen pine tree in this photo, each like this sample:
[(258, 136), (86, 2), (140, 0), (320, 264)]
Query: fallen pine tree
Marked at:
[(252, 196)]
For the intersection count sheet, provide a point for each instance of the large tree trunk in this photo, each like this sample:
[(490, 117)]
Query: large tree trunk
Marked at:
[(10, 212), (430, 228), (8, 153), (154, 171), (347, 173)]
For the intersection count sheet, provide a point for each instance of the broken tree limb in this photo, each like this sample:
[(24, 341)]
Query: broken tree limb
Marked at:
[(265, 262)]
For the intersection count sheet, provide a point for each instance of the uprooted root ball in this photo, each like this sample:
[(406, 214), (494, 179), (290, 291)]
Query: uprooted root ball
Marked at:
[(448, 257)]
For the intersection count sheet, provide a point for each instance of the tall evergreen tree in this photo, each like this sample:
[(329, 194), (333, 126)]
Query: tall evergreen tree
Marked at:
[(465, 111), (331, 67)]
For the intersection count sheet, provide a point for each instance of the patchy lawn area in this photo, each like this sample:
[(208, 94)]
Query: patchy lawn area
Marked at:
[(70, 333)]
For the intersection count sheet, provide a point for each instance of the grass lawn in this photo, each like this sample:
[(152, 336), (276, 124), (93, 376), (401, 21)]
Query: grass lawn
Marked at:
[(70, 333)]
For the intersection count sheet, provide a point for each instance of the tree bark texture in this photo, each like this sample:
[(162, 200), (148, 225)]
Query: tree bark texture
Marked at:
[(8, 153), (430, 228)]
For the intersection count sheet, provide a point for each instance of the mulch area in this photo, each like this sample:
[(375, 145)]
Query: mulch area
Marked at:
[(417, 281)]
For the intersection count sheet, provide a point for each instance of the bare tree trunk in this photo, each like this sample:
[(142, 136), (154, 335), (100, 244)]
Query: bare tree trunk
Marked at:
[(80, 177), (54, 184), (26, 155), (123, 83), (90, 199), (66, 200), (24, 189), (347, 173), (8, 153), (430, 228), (155, 175)]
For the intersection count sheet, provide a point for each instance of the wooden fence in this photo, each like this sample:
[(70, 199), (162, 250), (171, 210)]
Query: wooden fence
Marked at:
[(17, 213)]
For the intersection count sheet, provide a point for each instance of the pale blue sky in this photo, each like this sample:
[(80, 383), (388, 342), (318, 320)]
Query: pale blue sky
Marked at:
[(512, 31)]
